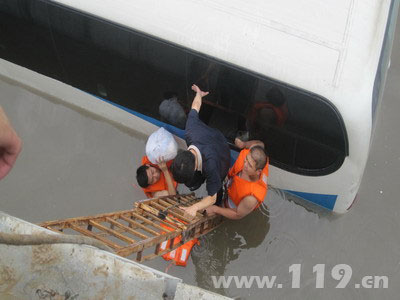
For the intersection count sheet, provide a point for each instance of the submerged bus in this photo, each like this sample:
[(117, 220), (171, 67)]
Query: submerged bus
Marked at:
[(327, 60)]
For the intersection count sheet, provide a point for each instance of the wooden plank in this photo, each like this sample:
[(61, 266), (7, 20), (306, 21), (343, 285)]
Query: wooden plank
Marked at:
[(147, 221), (202, 227), (122, 226), (77, 220), (170, 211), (152, 256), (188, 198), (170, 206), (139, 246), (91, 234), (139, 256), (182, 200), (137, 233), (139, 225), (160, 221), (178, 202), (157, 250), (134, 232), (199, 215), (175, 198), (112, 232), (172, 243), (155, 212), (171, 201), (53, 229), (175, 201)]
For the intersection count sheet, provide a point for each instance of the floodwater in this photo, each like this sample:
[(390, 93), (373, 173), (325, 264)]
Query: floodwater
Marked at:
[(75, 164)]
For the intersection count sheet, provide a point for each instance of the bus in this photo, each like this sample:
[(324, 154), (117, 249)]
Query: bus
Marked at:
[(304, 76)]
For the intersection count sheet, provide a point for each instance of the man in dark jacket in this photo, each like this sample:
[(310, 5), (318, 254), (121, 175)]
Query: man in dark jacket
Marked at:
[(206, 159)]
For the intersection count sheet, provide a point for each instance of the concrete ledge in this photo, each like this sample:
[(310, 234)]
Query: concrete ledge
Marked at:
[(184, 292)]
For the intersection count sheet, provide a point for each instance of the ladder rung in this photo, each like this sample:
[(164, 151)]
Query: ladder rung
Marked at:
[(161, 221), (147, 221), (170, 211), (174, 203), (156, 212), (142, 235), (93, 235), (112, 232), (125, 228)]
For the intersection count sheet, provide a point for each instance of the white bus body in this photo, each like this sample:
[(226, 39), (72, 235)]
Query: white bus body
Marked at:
[(337, 50)]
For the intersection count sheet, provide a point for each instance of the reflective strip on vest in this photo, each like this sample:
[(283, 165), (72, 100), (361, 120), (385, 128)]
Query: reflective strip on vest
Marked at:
[(184, 254), (164, 245)]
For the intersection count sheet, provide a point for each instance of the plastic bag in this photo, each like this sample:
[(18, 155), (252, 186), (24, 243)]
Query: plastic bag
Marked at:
[(161, 143)]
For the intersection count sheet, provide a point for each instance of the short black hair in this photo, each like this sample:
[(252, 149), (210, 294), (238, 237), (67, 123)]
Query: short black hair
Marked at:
[(183, 167), (141, 176), (275, 97), (259, 156)]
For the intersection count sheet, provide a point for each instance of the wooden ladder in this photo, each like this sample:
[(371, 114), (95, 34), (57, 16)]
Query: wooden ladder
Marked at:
[(142, 229)]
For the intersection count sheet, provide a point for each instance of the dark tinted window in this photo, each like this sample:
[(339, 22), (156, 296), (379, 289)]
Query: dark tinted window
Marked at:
[(309, 139), (303, 133), (25, 38)]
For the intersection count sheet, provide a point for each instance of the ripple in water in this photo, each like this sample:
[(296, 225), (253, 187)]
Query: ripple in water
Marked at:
[(282, 251), (203, 254), (274, 205)]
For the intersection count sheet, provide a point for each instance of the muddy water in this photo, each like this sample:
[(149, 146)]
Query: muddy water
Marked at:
[(75, 164)]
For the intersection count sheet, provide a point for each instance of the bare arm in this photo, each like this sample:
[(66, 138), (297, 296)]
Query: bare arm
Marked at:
[(10, 145), (196, 104), (160, 194), (245, 207), (203, 204), (163, 167), (249, 144)]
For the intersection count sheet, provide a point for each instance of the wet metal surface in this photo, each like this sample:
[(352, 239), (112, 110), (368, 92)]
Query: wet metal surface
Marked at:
[(74, 164)]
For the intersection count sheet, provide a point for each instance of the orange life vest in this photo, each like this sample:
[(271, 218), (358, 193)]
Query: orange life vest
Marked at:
[(239, 188), (161, 184), (180, 255), (281, 113)]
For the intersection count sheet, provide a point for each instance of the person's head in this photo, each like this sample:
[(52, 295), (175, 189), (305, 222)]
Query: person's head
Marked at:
[(183, 167), (255, 161), (275, 97), (147, 175), (266, 117)]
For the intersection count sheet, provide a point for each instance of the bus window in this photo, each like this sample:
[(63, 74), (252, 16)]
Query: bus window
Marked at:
[(25, 38), (115, 63), (303, 132)]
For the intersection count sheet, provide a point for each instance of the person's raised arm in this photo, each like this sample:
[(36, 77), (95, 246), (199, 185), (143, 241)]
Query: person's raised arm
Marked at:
[(240, 144), (196, 104), (10, 145), (163, 167)]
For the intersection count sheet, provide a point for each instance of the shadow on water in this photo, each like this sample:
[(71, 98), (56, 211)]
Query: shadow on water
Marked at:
[(224, 245)]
